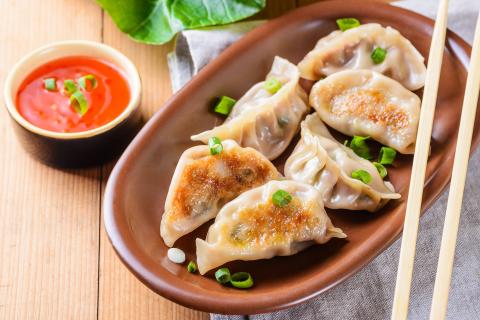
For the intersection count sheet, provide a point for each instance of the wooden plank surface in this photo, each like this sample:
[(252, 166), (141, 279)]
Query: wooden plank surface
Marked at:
[(121, 295), (49, 222), (55, 258)]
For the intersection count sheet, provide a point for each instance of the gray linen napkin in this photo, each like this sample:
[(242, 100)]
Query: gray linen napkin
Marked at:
[(195, 48), (369, 293)]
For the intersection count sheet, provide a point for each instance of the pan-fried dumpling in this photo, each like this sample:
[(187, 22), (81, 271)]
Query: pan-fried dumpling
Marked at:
[(264, 121), (252, 227), (352, 49), (321, 161), (366, 103), (203, 183)]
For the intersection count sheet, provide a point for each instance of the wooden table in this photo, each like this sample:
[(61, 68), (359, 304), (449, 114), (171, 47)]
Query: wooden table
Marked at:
[(55, 259)]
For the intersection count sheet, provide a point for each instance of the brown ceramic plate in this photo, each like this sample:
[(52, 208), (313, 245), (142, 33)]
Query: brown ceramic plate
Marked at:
[(138, 185)]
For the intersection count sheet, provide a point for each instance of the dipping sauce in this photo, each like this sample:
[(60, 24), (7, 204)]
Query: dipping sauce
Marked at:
[(53, 110)]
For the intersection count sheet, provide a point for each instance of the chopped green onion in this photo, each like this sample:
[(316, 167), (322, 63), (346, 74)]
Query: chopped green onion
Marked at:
[(69, 86), (192, 267), (79, 103), (242, 280), (360, 147), (50, 84), (281, 198), (224, 105), (272, 85), (345, 143), (381, 169), (347, 23), (88, 82), (223, 275), (387, 155), (215, 145), (378, 55), (362, 175)]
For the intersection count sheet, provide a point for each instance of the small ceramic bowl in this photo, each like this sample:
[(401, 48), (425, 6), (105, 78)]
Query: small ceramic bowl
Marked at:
[(78, 149)]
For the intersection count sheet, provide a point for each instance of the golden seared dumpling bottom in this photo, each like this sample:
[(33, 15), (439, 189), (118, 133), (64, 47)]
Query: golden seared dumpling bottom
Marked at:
[(203, 183), (253, 227), (367, 103)]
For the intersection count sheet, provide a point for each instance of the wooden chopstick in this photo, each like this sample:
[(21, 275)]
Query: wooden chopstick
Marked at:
[(414, 201), (459, 173)]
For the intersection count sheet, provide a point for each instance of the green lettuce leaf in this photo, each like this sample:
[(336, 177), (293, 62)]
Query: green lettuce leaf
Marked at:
[(157, 21)]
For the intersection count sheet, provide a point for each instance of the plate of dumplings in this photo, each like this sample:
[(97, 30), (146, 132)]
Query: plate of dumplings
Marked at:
[(282, 168)]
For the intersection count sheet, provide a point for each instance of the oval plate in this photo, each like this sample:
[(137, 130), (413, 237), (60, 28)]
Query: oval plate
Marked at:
[(138, 185)]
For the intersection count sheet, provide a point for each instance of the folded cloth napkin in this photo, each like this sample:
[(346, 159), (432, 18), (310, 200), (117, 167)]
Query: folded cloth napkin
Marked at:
[(195, 48), (369, 293)]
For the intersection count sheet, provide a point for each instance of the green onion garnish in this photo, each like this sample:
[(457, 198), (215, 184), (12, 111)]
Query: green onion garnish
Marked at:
[(378, 55), (241, 280), (69, 86), (215, 145), (223, 275), (79, 103), (387, 155), (224, 105), (272, 85), (347, 23), (88, 82), (192, 267), (362, 175), (360, 147), (50, 84), (381, 169), (281, 198)]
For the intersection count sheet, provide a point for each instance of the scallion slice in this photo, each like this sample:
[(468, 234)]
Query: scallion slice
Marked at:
[(378, 55), (347, 23), (241, 280), (69, 86), (50, 84), (360, 147), (224, 105), (387, 155), (215, 145), (381, 169), (362, 175), (192, 267), (281, 198), (272, 85), (88, 82), (79, 103), (223, 275)]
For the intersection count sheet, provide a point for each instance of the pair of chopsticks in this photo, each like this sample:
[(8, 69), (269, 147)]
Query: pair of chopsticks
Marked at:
[(414, 201)]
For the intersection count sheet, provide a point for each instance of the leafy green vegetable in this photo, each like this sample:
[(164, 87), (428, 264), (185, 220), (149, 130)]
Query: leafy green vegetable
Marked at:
[(157, 21)]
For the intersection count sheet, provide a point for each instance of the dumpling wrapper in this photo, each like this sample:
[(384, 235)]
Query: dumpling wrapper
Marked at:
[(203, 183), (264, 121), (321, 161), (352, 49), (251, 227), (367, 103)]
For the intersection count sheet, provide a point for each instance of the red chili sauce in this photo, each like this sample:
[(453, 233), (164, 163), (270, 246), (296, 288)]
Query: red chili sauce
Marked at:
[(52, 110)]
